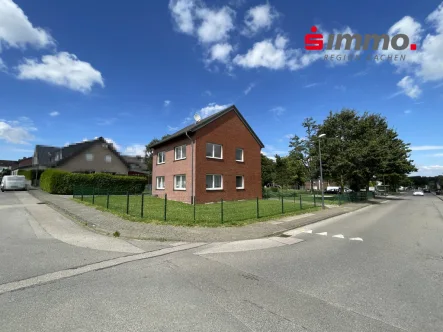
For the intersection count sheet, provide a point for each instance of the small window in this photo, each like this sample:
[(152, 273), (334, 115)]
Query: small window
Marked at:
[(108, 158), (161, 157), (214, 151), (239, 155), (160, 182), (180, 182), (89, 157), (180, 152), (240, 182), (214, 182)]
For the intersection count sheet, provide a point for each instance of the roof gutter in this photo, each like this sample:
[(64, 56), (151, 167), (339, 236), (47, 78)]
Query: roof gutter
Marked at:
[(192, 169)]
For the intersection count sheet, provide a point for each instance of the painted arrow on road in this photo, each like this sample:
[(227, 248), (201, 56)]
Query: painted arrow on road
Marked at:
[(356, 239), (340, 236), (324, 233)]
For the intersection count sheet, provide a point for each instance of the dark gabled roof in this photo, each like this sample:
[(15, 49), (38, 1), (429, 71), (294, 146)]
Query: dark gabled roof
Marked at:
[(46, 154), (196, 126), (138, 162), (8, 163)]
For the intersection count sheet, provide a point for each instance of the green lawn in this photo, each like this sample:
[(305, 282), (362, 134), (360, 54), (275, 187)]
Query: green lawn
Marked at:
[(235, 213)]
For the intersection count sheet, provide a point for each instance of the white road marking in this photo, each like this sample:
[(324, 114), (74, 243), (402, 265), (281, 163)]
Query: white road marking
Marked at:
[(308, 231), (340, 236), (356, 239), (324, 233)]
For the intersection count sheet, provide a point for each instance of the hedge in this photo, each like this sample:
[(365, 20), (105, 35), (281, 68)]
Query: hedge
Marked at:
[(60, 182), (30, 174)]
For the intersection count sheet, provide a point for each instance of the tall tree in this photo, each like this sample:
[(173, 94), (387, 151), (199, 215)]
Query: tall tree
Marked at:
[(148, 154), (267, 170), (304, 151)]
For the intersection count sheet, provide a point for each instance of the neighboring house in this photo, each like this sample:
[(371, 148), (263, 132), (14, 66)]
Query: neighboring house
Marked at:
[(23, 164), (215, 158), (137, 166), (95, 156), (8, 164)]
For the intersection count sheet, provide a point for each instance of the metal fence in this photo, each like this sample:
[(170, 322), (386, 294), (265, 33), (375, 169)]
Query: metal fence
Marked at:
[(145, 206)]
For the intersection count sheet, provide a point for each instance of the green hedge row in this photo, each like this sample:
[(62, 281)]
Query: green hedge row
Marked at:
[(30, 174), (60, 182)]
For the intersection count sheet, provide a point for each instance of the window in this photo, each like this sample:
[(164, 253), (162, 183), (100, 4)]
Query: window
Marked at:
[(214, 151), (161, 157), (180, 152), (89, 157), (108, 158), (179, 182), (160, 182), (239, 154), (239, 182), (214, 182)]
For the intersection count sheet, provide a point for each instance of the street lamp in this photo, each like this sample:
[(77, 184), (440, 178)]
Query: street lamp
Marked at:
[(321, 172)]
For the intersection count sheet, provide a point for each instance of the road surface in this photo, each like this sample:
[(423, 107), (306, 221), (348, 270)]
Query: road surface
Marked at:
[(379, 269)]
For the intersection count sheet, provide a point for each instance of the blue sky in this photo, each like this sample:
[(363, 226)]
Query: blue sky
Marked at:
[(74, 70)]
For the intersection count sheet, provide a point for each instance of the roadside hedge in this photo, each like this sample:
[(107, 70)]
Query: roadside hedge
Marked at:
[(30, 174), (61, 182)]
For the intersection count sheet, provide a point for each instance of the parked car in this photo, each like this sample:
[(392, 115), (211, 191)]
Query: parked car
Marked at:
[(438, 192), (427, 190), (418, 193), (13, 182)]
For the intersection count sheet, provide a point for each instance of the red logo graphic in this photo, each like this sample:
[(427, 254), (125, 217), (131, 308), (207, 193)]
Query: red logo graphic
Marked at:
[(314, 41)]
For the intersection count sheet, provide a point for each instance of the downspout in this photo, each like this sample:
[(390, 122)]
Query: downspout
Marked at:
[(192, 169)]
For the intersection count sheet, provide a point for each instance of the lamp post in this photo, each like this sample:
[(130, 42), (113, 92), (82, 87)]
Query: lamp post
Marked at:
[(321, 173)]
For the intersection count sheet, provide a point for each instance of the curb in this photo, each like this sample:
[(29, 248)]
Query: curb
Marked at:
[(438, 196)]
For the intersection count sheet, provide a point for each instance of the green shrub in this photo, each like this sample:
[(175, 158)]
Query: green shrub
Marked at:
[(30, 174), (60, 182)]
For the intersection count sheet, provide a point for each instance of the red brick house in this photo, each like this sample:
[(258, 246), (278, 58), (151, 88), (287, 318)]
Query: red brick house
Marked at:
[(215, 158)]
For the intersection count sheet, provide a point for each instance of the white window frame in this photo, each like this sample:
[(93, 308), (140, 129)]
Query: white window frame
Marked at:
[(157, 186), (242, 155), (181, 148), (175, 183), (213, 181), (108, 160), (243, 182), (213, 151), (89, 154), (163, 153)]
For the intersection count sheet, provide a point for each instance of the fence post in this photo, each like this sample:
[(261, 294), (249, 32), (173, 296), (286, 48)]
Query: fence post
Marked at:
[(166, 202), (258, 210), (221, 210), (93, 195), (142, 206), (282, 208), (127, 202), (81, 191), (301, 206), (107, 200), (315, 203), (295, 194)]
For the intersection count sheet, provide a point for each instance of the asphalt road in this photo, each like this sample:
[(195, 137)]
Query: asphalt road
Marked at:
[(379, 269)]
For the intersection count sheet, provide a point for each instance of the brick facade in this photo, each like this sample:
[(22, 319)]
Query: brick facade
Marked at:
[(228, 131)]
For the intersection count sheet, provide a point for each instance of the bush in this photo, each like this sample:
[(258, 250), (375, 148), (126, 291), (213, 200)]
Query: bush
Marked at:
[(60, 182), (30, 174)]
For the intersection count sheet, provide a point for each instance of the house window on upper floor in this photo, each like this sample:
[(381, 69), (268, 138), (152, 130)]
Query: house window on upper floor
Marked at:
[(160, 182), (179, 182), (214, 151), (89, 157), (240, 182), (214, 182), (180, 152), (108, 158), (239, 155), (161, 157)]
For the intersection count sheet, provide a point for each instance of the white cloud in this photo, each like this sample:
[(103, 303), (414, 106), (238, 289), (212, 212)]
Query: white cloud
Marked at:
[(216, 24), (267, 53), (111, 141), (311, 85), (170, 128), (278, 110), (342, 88), (106, 122), (249, 88), (182, 12), (409, 88), (431, 170), (166, 103), (17, 131), (207, 93), (426, 147), (270, 151), (407, 111), (220, 52), (258, 18), (62, 69), (135, 150), (3, 67), (437, 155), (54, 113), (289, 136), (17, 31), (210, 109)]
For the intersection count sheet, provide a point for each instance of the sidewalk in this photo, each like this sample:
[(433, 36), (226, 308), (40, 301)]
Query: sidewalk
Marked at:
[(107, 223)]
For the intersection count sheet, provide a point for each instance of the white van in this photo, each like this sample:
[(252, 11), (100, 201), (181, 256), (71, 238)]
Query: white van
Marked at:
[(13, 182)]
